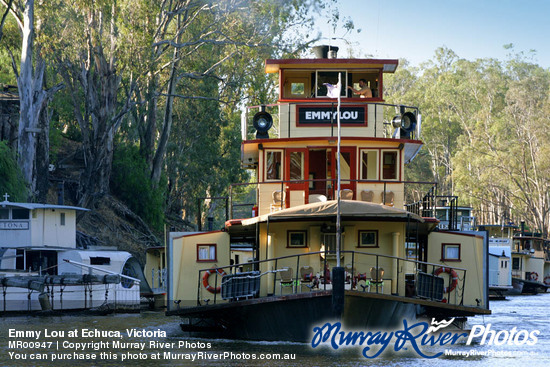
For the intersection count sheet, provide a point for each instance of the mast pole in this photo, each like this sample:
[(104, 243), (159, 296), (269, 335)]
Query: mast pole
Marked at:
[(338, 224)]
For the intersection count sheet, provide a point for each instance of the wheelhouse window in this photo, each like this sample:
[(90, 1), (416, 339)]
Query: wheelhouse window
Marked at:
[(368, 239), (62, 219), (329, 77), (206, 252), (273, 163), (369, 165), (450, 252), (390, 166)]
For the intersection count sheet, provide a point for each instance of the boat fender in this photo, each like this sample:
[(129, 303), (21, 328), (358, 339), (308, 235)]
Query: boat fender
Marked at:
[(534, 276), (547, 280), (207, 285), (454, 278)]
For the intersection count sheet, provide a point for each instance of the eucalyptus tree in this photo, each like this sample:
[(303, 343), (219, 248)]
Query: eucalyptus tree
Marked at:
[(33, 136)]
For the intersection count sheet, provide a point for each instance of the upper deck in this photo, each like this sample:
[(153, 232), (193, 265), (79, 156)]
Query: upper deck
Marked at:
[(292, 145)]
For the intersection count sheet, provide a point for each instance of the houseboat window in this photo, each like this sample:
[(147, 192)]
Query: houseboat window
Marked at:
[(273, 165), (450, 252), (4, 214), (389, 168), (20, 214), (297, 239), (369, 166), (62, 219), (20, 259), (206, 252), (330, 77), (296, 166), (368, 239), (516, 263), (100, 260)]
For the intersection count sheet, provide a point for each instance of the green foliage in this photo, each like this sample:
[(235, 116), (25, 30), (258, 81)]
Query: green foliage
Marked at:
[(131, 183), (11, 178)]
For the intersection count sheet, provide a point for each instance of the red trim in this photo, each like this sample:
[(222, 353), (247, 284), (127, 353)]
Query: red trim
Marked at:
[(197, 234), (328, 100), (296, 185), (351, 138)]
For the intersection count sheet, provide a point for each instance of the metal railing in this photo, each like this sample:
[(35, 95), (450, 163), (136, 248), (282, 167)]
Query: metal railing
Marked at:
[(359, 269)]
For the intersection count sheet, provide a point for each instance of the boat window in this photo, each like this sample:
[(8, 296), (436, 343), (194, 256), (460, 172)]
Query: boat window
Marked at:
[(296, 166), (345, 166), (368, 239), (4, 214), (99, 260), (206, 252), (516, 263), (273, 161), (20, 214), (62, 219), (369, 165), (389, 167), (329, 77), (298, 88), (20, 259), (296, 239), (450, 252)]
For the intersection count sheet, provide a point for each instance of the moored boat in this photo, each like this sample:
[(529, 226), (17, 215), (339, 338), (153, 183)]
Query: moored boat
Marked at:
[(335, 233), (43, 269)]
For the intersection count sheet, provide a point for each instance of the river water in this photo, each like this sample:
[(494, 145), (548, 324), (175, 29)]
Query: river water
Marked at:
[(20, 344)]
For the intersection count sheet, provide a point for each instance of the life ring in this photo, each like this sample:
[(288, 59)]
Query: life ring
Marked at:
[(534, 276), (547, 280), (454, 278), (205, 282)]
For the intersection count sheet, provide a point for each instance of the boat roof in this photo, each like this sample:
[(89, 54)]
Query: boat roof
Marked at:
[(32, 206), (386, 65), (348, 208)]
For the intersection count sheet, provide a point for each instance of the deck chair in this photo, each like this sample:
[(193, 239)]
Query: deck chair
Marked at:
[(377, 278), (389, 198), (346, 194), (287, 279), (278, 200), (367, 195), (307, 277)]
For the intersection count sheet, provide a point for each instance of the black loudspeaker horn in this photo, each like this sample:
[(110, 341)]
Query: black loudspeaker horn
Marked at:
[(406, 122), (262, 122)]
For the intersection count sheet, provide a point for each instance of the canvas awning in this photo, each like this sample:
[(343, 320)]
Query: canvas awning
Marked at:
[(348, 209)]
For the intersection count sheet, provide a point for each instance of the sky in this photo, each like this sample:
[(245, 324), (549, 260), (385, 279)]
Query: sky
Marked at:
[(414, 29)]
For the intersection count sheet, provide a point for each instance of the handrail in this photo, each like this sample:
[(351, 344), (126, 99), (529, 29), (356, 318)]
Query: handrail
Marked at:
[(282, 183), (355, 259)]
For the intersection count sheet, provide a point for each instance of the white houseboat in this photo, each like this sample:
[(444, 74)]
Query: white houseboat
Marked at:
[(43, 269)]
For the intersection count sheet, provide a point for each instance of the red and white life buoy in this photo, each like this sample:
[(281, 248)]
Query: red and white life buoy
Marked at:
[(547, 280), (453, 281), (205, 282), (534, 276)]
